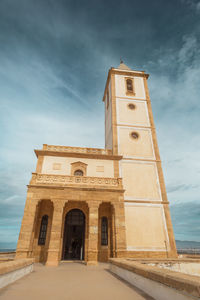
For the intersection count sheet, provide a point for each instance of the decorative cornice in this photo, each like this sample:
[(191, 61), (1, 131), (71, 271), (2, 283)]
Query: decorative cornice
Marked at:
[(79, 188), (146, 202), (130, 73), (125, 73)]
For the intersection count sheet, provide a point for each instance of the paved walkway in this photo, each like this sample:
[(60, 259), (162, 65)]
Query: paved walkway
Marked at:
[(71, 281)]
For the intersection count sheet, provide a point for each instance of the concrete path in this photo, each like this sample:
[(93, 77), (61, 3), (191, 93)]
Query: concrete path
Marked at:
[(71, 281)]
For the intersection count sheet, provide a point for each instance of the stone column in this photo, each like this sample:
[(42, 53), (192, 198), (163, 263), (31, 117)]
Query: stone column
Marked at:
[(92, 256), (120, 233), (113, 231), (24, 245), (56, 227)]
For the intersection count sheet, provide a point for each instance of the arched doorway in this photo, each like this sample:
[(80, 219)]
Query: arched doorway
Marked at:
[(74, 235)]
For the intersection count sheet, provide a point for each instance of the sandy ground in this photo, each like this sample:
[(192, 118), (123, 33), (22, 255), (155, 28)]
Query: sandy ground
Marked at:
[(71, 281)]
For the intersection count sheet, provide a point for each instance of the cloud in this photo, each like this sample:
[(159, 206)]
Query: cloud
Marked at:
[(193, 4), (176, 107), (10, 199), (198, 6), (181, 187), (185, 217), (54, 63)]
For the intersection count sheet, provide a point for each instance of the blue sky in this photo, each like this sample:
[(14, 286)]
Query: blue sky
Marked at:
[(54, 59)]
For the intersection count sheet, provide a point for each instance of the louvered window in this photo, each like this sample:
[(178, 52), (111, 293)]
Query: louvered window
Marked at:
[(43, 230), (104, 231)]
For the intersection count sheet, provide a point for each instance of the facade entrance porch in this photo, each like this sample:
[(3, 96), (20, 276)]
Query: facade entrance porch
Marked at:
[(76, 229), (74, 235)]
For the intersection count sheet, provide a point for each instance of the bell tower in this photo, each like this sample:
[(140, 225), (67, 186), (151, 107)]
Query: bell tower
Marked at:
[(130, 132)]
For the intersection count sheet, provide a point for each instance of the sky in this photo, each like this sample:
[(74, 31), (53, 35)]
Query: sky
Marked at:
[(54, 60)]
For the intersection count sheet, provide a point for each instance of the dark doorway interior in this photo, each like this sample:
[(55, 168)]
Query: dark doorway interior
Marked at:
[(74, 235)]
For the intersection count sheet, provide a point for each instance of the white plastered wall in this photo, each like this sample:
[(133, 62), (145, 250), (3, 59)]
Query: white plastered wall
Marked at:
[(126, 116), (145, 227), (141, 147), (140, 180), (95, 167)]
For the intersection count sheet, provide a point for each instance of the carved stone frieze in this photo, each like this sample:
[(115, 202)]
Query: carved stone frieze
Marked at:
[(63, 180)]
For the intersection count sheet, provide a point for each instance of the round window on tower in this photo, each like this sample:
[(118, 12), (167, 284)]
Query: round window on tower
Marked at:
[(134, 135), (131, 106)]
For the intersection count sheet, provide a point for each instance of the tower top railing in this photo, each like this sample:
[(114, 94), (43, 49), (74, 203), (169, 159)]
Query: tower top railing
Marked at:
[(77, 149)]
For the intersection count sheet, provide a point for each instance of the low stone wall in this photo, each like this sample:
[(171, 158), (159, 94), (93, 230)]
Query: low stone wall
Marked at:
[(191, 268), (159, 283), (7, 256), (14, 270)]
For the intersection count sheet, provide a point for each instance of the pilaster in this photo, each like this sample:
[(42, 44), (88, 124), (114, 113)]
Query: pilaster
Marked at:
[(114, 115), (172, 250), (93, 233), (56, 228), (120, 231), (24, 247)]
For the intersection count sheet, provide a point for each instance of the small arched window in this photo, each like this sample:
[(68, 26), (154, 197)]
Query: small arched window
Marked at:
[(78, 173), (129, 85), (43, 230), (104, 231)]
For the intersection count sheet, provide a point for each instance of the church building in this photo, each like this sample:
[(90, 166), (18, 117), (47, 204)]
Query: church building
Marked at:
[(91, 204)]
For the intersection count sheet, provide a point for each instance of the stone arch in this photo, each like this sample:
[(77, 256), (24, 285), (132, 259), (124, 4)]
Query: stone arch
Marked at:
[(83, 206), (106, 210), (74, 235), (78, 165), (44, 207)]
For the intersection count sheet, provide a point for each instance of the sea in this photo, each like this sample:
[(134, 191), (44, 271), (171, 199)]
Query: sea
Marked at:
[(182, 247)]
